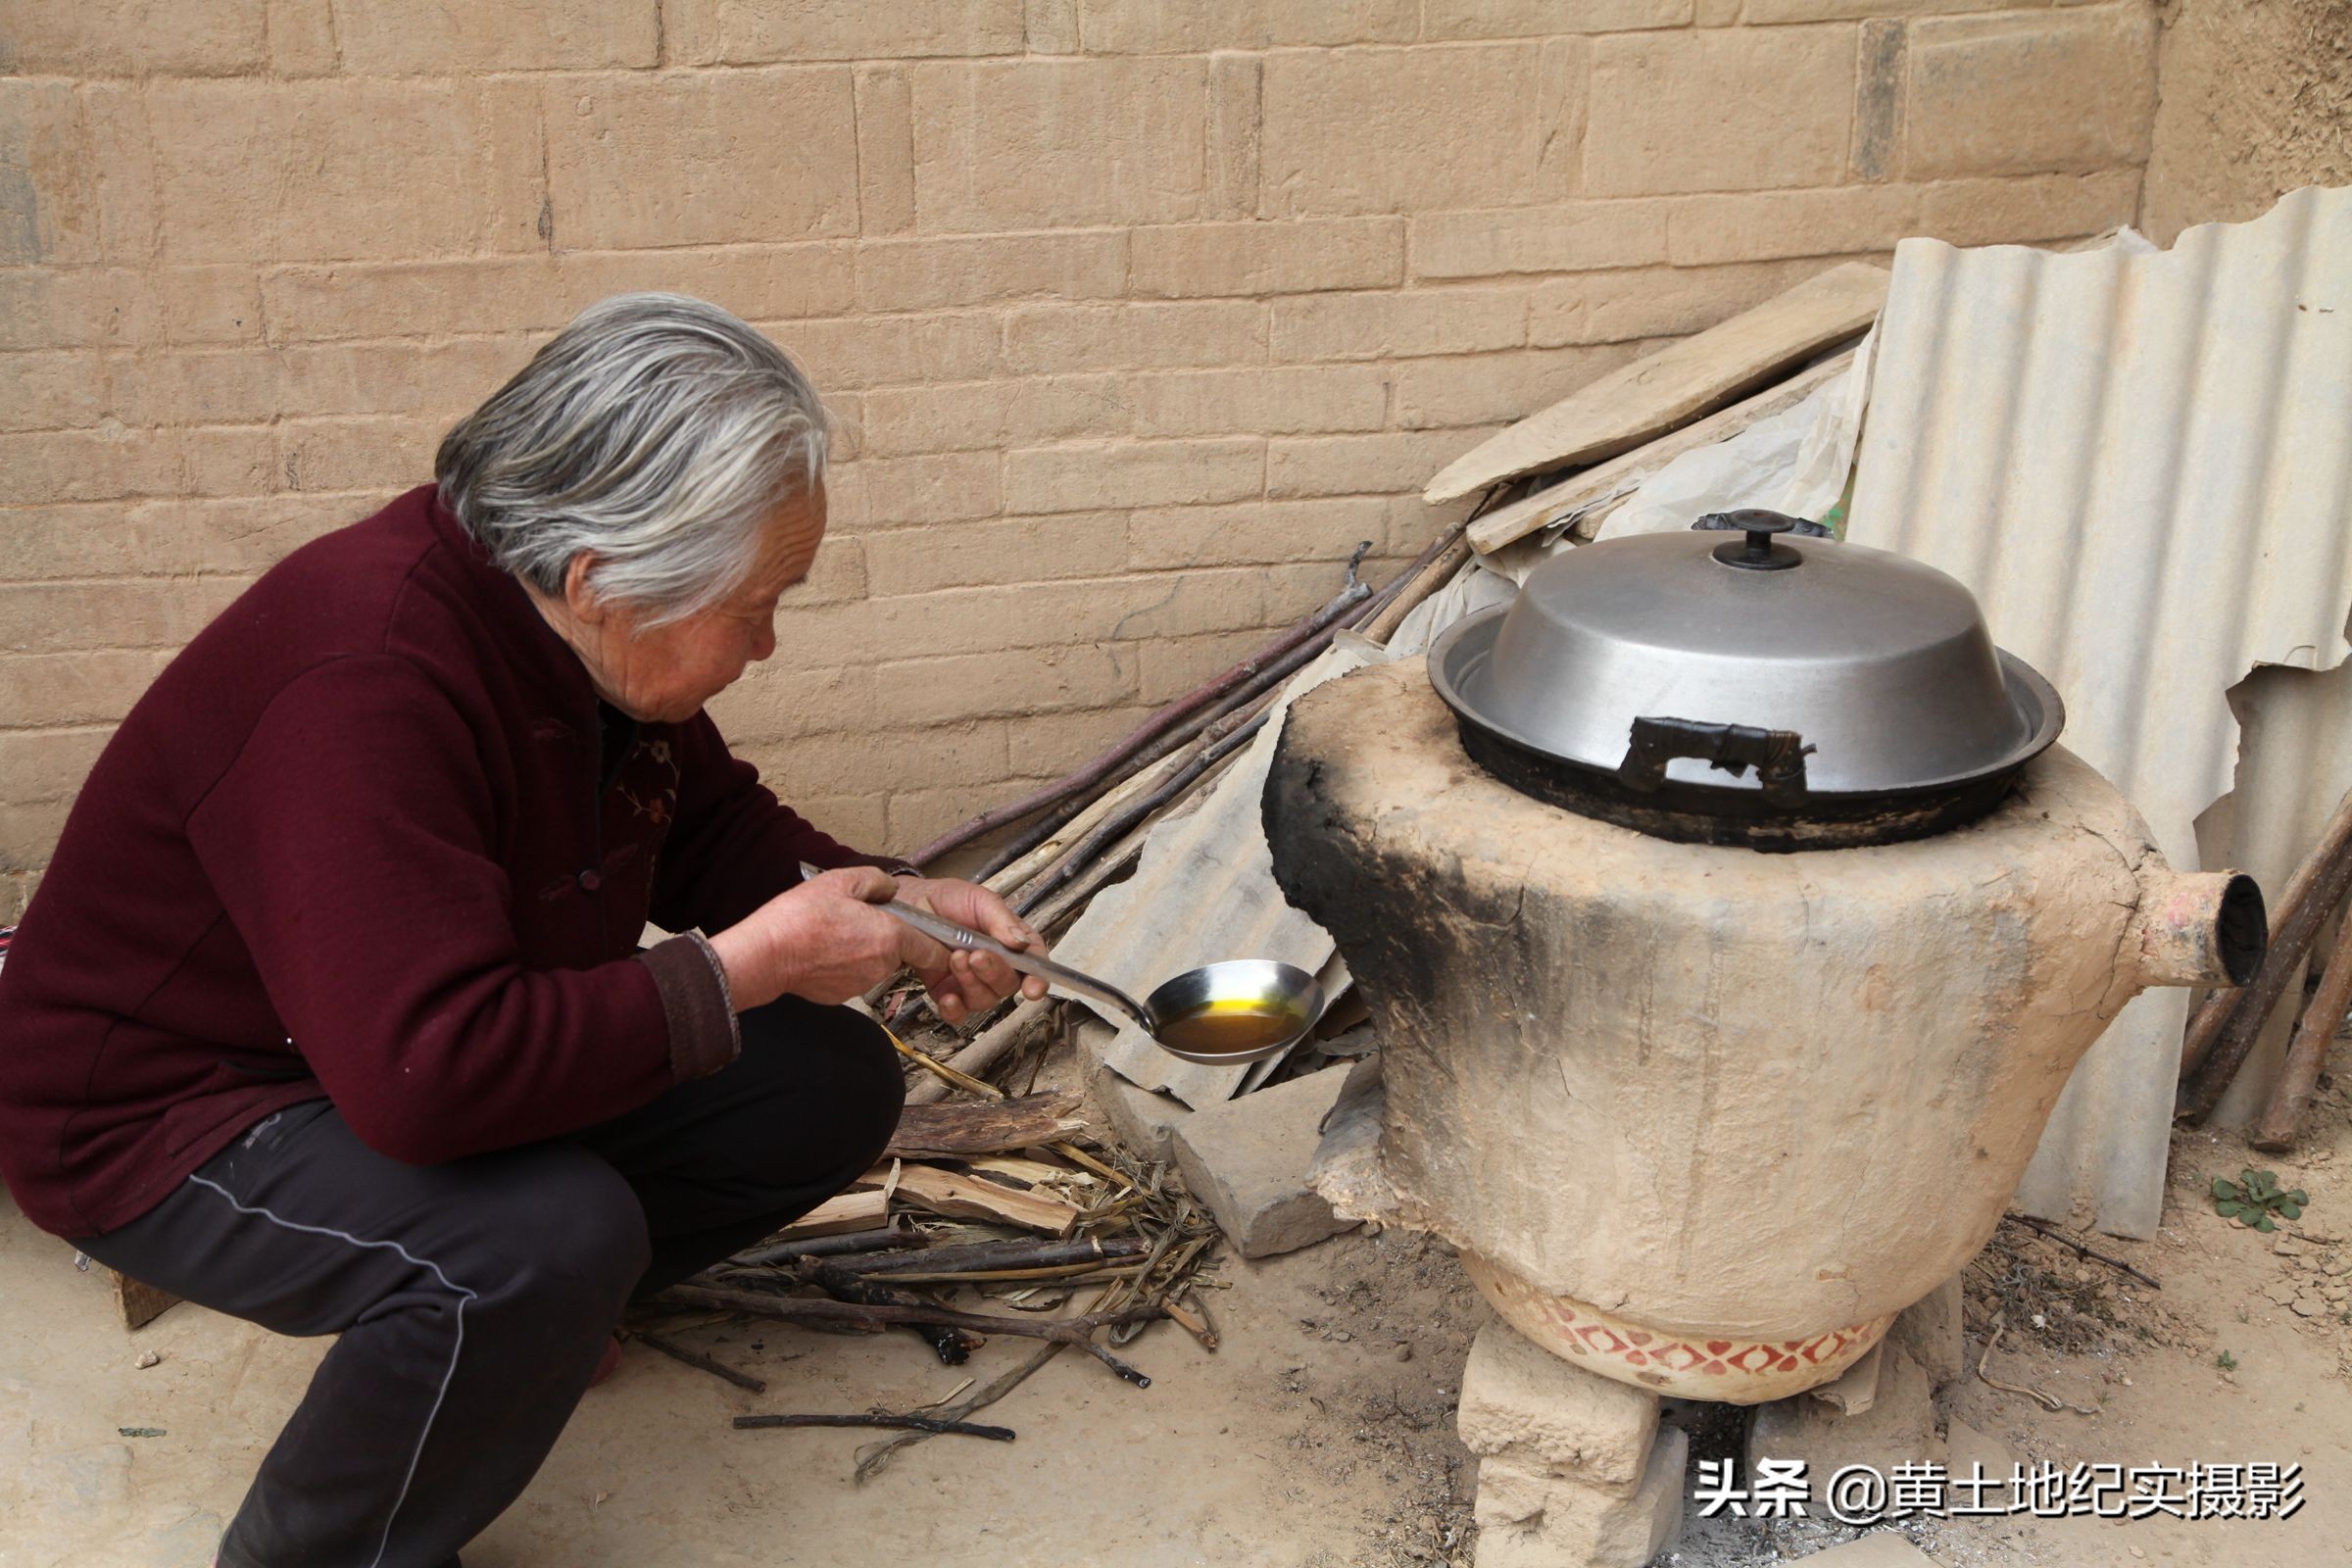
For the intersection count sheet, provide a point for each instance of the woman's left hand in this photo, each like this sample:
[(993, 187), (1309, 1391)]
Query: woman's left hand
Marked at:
[(974, 982)]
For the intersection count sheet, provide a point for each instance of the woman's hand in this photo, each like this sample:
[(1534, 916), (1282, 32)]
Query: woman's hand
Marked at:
[(824, 940), (970, 983)]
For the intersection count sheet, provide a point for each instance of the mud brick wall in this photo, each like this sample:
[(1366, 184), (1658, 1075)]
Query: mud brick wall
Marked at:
[(1140, 314)]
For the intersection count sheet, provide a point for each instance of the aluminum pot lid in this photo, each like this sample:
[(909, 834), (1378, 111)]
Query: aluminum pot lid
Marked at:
[(1731, 657)]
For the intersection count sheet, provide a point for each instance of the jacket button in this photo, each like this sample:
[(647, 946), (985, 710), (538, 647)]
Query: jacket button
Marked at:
[(590, 881)]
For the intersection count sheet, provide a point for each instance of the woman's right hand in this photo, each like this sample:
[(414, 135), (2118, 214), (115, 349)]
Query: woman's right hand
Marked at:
[(823, 940)]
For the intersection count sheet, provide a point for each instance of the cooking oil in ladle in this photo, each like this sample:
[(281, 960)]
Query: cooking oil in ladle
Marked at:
[(1229, 1029)]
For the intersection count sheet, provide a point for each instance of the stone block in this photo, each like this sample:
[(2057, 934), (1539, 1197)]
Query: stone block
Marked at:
[(423, 37), (1931, 1332), (920, 275), (740, 33), (1467, 320), (1248, 1158), (1091, 475), (1569, 237), (1715, 111), (1523, 1405), (1144, 1120), (1385, 131), (664, 159), (1059, 143), (1123, 26), (1855, 1390), (1058, 337), (1898, 1428), (315, 170), (2030, 94), (1773, 225), (1196, 260), (1532, 1519)]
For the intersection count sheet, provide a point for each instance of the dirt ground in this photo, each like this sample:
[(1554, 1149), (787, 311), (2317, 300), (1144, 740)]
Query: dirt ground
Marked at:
[(1318, 1436)]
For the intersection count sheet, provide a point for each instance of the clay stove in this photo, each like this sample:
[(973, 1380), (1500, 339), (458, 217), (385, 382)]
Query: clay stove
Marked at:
[(1731, 930)]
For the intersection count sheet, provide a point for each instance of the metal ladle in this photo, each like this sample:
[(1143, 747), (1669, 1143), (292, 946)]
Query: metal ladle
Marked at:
[(1244, 1009)]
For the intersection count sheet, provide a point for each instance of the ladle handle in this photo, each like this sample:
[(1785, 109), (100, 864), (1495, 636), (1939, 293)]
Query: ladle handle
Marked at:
[(947, 933)]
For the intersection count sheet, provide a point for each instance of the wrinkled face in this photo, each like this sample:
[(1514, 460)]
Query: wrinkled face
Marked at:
[(666, 673)]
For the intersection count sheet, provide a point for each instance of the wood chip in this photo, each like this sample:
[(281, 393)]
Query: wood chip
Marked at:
[(1677, 384), (851, 1212), (944, 1191), (984, 1127)]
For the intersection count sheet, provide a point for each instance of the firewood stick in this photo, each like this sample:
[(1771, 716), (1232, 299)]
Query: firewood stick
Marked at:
[(1002, 1254), (1435, 568), (2281, 1120), (890, 1238), (1071, 1331), (904, 1423), (2043, 1228), (2333, 840), (1151, 729), (700, 1362), (986, 1050), (2292, 941), (989, 1126), (953, 1346)]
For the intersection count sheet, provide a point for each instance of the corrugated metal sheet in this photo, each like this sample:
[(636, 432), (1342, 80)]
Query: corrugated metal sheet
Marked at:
[(2142, 465), (1203, 891)]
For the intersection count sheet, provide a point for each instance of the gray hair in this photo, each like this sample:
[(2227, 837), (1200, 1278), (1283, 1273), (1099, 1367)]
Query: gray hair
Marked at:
[(656, 431)]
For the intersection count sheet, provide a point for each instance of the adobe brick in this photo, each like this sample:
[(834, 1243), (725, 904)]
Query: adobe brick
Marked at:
[(1569, 237), (2064, 91), (1058, 143), (217, 304), (52, 389), (1772, 225), (1175, 666), (942, 487), (759, 282), (517, 212), (1236, 113), (423, 37), (302, 37), (775, 703), (452, 376), (989, 416), (1121, 27), (1051, 744), (885, 150), (997, 551), (37, 765), (1092, 475), (1398, 324), (870, 351), (1657, 301), (51, 212), (1712, 111), (45, 308), (236, 460), (121, 178), (842, 763), (738, 33), (2039, 207), (181, 534), (1254, 533), (1380, 464), (1384, 130), (1140, 336), (92, 687), (920, 275), (133, 38), (1524, 18), (1760, 13), (364, 453), (1040, 680), (1443, 394), (1052, 26), (315, 170), (28, 834), (59, 618), (95, 464), (1196, 260), (195, 386), (694, 158), (1277, 400)]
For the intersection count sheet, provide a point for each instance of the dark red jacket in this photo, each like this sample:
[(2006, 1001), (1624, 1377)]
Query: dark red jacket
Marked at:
[(352, 844)]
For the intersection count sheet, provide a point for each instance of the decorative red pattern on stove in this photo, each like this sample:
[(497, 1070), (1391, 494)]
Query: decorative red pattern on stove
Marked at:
[(1708, 1358)]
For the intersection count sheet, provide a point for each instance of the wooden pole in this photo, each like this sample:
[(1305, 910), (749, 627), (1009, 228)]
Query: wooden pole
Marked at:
[(2207, 1026), (2290, 942), (2281, 1122)]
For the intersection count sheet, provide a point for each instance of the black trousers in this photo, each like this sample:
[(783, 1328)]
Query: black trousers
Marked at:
[(475, 1299)]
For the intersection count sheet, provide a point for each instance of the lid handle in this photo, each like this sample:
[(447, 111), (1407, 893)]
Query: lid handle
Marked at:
[(1758, 552), (1777, 755)]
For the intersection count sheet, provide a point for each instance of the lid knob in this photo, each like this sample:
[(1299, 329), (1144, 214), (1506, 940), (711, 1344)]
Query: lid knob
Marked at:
[(1757, 553)]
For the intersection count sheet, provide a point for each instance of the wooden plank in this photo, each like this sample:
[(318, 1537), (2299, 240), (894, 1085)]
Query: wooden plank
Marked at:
[(944, 1191), (1606, 482), (1677, 384), (984, 1126), (851, 1212), (139, 1302)]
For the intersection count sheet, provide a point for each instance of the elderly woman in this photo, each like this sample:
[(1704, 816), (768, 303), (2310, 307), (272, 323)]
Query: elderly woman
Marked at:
[(330, 1012)]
